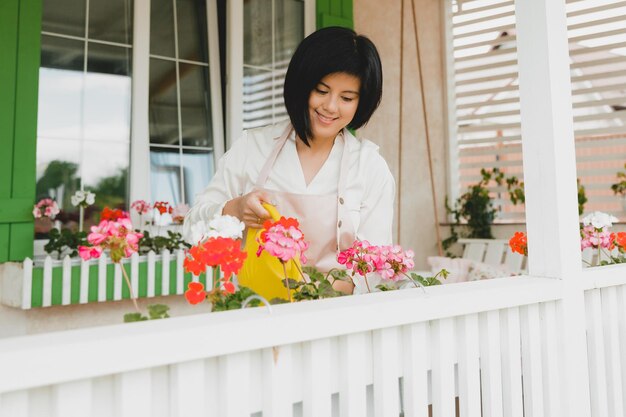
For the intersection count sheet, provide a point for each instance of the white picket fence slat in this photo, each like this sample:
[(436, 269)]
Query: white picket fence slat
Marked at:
[(386, 384), (550, 360), (469, 366), (415, 370), (531, 361), (443, 392), (186, 388), (277, 381), (511, 363), (102, 282), (234, 387), (133, 394), (596, 354), (316, 379), (490, 364), (72, 399), (614, 360), (84, 282)]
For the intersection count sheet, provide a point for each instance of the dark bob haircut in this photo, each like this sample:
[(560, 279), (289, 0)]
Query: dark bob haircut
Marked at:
[(328, 51)]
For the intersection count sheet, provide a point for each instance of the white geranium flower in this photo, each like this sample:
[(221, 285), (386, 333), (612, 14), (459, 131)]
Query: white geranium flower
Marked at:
[(75, 200), (226, 226), (83, 198), (599, 220), (90, 198), (199, 231)]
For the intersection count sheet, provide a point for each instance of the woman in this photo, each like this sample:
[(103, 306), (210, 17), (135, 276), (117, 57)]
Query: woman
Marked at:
[(312, 168)]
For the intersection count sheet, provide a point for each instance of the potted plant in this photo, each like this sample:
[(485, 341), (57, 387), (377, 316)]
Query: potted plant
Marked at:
[(475, 211), (619, 188)]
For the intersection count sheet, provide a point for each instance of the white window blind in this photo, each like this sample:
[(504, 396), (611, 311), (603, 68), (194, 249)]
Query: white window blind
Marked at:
[(486, 106)]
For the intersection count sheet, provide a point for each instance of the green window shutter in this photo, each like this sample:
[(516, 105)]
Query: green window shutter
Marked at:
[(20, 28), (334, 13)]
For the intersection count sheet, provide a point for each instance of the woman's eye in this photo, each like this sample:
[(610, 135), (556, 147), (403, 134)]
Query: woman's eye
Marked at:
[(321, 91), (347, 99)]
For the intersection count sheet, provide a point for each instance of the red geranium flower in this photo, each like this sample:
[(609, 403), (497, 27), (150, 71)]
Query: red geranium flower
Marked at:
[(519, 243), (163, 207), (228, 286), (221, 252), (195, 293), (113, 214), (620, 240)]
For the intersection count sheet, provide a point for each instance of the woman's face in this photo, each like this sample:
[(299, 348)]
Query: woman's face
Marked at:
[(333, 103)]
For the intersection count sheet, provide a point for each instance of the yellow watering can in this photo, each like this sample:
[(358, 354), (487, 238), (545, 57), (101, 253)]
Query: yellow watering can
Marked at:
[(264, 274)]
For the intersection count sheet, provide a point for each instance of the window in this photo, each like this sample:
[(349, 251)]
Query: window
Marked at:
[(181, 138), (84, 115), (272, 31), (130, 101), (485, 109)]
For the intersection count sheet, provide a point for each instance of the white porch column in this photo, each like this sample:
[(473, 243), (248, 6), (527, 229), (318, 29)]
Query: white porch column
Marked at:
[(550, 178), (140, 135), (548, 138)]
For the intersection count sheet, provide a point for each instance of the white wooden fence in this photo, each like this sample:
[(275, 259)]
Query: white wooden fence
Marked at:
[(488, 348), (50, 282)]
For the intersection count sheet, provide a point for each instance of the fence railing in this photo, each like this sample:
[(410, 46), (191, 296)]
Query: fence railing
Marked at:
[(491, 344), (48, 282)]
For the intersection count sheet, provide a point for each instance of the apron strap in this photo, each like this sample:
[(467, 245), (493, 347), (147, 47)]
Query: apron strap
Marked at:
[(265, 171)]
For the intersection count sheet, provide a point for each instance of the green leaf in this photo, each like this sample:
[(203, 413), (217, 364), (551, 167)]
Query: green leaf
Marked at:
[(326, 290), (278, 301), (340, 274), (313, 273), (131, 317), (293, 284), (158, 311), (386, 287)]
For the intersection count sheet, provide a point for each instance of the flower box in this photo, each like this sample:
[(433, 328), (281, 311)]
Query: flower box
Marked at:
[(49, 282)]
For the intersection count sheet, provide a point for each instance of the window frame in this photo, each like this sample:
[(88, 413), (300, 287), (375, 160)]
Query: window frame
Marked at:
[(234, 63), (140, 185)]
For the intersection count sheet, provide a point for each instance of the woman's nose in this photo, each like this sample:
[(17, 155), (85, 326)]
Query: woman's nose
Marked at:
[(331, 103)]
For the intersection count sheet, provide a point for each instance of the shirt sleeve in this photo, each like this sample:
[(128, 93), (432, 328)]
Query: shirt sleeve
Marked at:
[(377, 205), (227, 183)]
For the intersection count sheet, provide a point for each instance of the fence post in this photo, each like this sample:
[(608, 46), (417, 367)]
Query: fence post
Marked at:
[(550, 179)]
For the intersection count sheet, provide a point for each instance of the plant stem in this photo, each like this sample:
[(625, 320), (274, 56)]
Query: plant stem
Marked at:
[(130, 287), (216, 276), (599, 255), (287, 282), (299, 270), (367, 283), (416, 283)]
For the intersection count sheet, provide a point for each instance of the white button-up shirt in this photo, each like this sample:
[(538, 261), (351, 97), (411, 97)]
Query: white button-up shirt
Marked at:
[(370, 188)]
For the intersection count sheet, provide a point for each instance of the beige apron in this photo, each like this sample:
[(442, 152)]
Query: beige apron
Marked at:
[(324, 219)]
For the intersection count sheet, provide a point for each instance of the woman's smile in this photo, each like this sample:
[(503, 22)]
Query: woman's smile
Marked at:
[(333, 104)]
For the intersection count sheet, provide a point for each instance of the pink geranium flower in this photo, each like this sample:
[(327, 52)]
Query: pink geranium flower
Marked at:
[(116, 236), (391, 261), (46, 207), (283, 239), (179, 212), (141, 207)]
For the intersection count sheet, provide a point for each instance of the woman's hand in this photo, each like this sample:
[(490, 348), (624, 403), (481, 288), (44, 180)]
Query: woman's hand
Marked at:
[(248, 208)]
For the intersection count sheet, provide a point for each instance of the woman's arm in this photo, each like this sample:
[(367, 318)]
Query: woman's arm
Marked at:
[(377, 205), (227, 184)]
